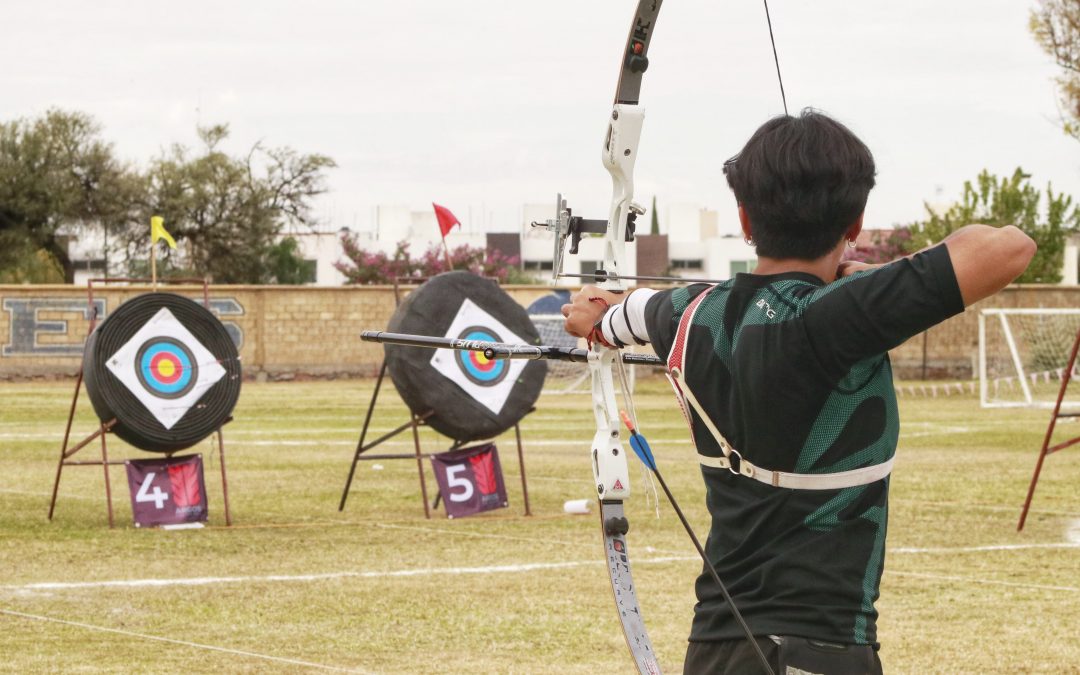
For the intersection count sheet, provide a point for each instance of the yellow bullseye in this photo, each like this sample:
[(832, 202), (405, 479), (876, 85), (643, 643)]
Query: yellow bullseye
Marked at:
[(166, 368)]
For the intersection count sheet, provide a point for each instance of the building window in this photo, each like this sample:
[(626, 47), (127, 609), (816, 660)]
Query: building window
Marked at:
[(89, 265), (309, 271), (538, 265), (688, 264), (743, 266)]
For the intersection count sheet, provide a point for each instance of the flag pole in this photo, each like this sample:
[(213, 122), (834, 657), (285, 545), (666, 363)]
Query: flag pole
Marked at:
[(446, 252), (153, 266)]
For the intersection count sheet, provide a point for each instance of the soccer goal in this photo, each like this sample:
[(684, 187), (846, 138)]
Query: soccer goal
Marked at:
[(564, 377), (1023, 354)]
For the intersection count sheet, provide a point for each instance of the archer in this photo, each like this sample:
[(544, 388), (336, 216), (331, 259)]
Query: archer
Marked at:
[(785, 379)]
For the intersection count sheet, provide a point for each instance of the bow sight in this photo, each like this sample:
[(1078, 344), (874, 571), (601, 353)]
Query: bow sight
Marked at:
[(566, 225)]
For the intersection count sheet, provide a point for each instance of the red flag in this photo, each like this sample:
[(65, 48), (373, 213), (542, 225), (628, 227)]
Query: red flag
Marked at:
[(446, 219)]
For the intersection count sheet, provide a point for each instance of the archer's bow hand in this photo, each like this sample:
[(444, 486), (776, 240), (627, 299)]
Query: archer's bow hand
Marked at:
[(586, 307)]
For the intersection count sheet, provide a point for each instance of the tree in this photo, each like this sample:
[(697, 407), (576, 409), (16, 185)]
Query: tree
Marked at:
[(1008, 201), (227, 213), (361, 266), (1055, 24), (883, 246), (57, 177), (655, 229)]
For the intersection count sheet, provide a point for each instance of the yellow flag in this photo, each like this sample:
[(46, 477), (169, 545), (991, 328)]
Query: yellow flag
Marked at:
[(157, 231)]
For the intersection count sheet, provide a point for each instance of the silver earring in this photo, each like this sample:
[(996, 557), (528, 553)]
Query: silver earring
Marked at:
[(748, 241), (851, 243)]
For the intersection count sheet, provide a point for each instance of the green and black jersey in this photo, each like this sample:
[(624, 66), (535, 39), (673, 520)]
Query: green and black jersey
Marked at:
[(796, 376)]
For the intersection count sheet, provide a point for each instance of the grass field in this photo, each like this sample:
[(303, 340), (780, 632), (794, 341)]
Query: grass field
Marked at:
[(296, 586)]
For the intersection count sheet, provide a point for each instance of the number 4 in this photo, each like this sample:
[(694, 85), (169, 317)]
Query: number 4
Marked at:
[(158, 497)]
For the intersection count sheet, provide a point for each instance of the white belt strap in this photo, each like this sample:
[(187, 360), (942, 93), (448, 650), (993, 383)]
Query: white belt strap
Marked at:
[(732, 460)]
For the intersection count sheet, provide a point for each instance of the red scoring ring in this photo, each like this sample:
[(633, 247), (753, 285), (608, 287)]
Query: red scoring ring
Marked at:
[(474, 358), (155, 368)]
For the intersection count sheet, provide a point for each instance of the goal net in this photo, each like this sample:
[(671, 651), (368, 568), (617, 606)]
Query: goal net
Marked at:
[(1023, 354), (564, 377)]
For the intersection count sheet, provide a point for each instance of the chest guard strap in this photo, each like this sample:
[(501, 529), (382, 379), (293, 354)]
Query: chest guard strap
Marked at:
[(732, 460)]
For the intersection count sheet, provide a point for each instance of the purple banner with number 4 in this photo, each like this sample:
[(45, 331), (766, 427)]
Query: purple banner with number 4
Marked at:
[(168, 491), (470, 480)]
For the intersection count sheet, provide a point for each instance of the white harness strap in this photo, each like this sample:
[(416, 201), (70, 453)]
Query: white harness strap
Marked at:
[(732, 460)]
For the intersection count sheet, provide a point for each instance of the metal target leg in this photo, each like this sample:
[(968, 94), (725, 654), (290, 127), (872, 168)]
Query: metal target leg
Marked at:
[(363, 433), (521, 464), (63, 448), (420, 465), (224, 479), (105, 468)]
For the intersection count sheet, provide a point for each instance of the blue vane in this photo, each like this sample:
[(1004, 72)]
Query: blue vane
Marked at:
[(639, 444)]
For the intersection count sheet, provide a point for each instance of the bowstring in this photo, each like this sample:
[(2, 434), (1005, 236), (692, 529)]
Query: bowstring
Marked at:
[(776, 59), (652, 497)]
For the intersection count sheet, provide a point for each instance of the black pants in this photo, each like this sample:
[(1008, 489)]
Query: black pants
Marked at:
[(790, 655)]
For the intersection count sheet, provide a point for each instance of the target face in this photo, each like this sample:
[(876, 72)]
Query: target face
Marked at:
[(477, 367), (488, 381), (166, 367)]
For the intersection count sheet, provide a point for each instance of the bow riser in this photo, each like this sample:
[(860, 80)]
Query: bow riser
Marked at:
[(610, 470), (619, 155)]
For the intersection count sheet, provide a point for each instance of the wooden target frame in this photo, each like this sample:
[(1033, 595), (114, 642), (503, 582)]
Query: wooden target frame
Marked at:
[(68, 450), (414, 424)]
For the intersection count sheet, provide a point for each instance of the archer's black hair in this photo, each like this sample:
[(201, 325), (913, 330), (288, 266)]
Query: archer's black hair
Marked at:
[(803, 181)]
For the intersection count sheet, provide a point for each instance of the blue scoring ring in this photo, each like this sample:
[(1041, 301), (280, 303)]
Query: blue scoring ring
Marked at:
[(166, 367)]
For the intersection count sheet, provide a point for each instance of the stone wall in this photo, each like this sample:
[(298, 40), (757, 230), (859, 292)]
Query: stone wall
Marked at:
[(289, 330), (280, 330)]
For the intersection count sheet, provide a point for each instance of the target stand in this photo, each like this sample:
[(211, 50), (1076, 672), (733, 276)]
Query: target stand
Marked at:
[(424, 303), (176, 376)]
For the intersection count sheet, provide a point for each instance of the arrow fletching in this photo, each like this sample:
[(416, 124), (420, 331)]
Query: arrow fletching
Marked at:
[(638, 443)]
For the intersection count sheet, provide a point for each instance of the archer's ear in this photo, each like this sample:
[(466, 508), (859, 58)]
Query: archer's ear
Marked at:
[(744, 223), (852, 233)]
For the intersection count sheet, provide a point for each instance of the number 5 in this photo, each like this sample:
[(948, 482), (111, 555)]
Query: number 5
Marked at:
[(453, 480)]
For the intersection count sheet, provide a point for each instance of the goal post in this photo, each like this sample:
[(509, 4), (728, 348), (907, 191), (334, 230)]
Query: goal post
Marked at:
[(1023, 353)]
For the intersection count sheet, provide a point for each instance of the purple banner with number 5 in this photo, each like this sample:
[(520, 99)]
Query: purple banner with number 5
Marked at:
[(470, 480)]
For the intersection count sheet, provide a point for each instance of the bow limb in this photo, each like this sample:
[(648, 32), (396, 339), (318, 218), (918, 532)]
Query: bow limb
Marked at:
[(610, 470)]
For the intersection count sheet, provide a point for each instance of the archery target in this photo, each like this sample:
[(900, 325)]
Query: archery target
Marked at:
[(160, 365), (470, 397), (164, 370), (487, 381)]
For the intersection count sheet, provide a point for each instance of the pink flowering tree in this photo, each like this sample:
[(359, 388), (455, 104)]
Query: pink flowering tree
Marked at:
[(361, 266)]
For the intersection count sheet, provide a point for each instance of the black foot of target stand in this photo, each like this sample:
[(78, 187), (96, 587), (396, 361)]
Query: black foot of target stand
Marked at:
[(414, 423), (105, 427)]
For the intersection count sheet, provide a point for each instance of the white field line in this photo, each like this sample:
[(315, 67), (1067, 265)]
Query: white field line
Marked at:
[(981, 507), (183, 643), (425, 571), (531, 540), (352, 442), (935, 432), (489, 569), (44, 494), (982, 549), (975, 580)]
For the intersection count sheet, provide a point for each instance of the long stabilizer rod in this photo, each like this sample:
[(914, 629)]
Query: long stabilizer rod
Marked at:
[(500, 350)]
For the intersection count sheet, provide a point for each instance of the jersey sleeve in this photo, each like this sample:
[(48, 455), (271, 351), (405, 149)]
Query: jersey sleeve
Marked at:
[(872, 312), (662, 314)]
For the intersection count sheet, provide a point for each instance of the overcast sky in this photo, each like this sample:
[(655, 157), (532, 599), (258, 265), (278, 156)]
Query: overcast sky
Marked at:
[(484, 105)]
